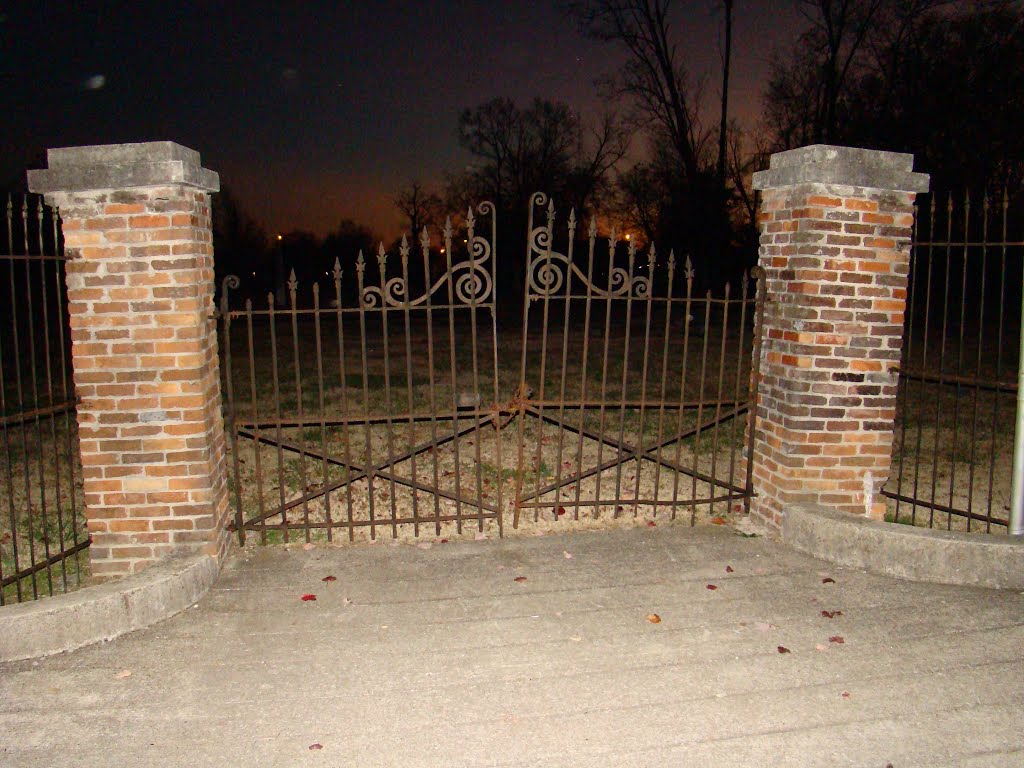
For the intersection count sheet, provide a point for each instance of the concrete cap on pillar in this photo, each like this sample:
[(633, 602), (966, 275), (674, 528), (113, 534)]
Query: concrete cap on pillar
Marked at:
[(119, 166), (826, 164)]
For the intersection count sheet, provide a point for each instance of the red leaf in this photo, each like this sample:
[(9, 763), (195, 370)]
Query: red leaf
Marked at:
[(718, 521), (651, 523), (520, 579), (561, 511), (444, 541), (712, 587), (329, 578), (828, 580), (314, 747), (728, 569), (846, 694), (783, 649), (831, 614), (837, 639), (307, 598)]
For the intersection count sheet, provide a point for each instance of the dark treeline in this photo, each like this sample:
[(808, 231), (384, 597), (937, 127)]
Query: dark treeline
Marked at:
[(943, 80)]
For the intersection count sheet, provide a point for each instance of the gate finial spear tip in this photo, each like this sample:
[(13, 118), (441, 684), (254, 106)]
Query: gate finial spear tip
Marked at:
[(425, 239), (593, 228), (447, 228)]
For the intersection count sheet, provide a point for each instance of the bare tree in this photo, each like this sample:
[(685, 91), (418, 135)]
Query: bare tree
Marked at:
[(654, 76), (419, 207)]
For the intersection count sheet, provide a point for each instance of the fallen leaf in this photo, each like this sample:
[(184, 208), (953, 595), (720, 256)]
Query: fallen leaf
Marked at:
[(329, 578), (728, 569), (566, 465), (831, 614), (828, 580), (837, 639), (346, 601), (651, 523), (718, 521), (561, 511), (123, 674), (846, 694), (308, 598), (566, 555), (654, 618), (444, 541), (315, 747), (783, 649), (712, 587), (520, 579)]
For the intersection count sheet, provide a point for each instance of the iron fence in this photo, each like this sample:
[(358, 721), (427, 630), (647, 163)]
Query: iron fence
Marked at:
[(954, 427), (42, 531)]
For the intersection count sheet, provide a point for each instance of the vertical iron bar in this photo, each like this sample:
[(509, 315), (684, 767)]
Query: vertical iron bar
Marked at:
[(942, 357), (48, 368), (346, 434), (452, 373), (34, 402), (547, 283), (571, 226), (428, 304), (370, 460), (411, 430), (687, 322), (485, 208), (929, 252), (907, 358), (230, 417), (999, 364), (66, 393), (324, 472), (665, 351), (959, 363), (648, 299), (585, 372), (755, 380), (977, 368), (624, 381), (475, 396), (278, 436), (388, 423), (293, 287), (700, 408), (744, 298), (257, 443), (524, 344), (718, 399)]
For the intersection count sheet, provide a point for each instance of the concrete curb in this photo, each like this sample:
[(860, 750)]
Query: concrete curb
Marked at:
[(105, 611), (918, 554)]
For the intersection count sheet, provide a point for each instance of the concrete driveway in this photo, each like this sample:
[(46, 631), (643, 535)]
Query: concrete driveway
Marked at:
[(664, 646)]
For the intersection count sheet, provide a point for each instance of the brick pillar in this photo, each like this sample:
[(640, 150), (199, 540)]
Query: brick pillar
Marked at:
[(836, 224), (136, 223)]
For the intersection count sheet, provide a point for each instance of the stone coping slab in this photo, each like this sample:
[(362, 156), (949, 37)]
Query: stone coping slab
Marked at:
[(105, 611), (918, 554)]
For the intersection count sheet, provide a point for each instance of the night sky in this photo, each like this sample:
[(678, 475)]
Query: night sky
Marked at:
[(316, 111)]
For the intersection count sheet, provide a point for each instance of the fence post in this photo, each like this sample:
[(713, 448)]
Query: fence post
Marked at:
[(136, 224), (836, 225)]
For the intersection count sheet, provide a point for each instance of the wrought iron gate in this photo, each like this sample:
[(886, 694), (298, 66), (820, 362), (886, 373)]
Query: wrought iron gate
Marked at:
[(382, 406)]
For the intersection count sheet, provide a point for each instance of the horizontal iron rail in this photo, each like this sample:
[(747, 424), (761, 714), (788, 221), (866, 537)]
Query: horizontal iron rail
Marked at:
[(988, 385), (34, 257), (943, 508), (44, 564), (383, 522), (637, 502), (17, 419)]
